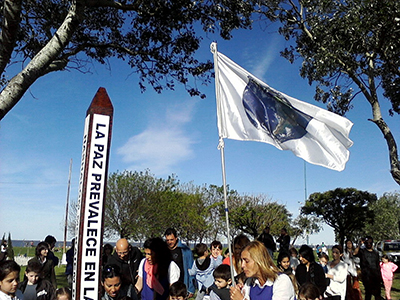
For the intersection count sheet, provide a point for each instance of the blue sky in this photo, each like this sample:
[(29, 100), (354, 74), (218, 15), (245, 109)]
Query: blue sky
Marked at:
[(169, 133)]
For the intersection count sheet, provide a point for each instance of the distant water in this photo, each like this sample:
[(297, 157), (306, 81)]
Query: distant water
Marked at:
[(33, 243)]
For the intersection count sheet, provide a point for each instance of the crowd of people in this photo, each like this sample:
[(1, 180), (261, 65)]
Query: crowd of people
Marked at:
[(166, 268)]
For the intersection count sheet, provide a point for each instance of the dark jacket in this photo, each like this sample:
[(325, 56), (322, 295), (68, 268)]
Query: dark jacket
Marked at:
[(268, 241), (44, 289), (314, 275), (47, 272), (284, 243), (129, 268)]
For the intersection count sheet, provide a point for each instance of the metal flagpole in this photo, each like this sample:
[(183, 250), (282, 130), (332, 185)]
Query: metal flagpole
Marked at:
[(66, 207), (221, 147)]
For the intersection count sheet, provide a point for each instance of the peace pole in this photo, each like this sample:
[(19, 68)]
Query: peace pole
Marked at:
[(91, 198)]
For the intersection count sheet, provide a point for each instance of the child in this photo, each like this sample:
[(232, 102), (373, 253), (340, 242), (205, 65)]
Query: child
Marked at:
[(33, 287), (216, 251), (309, 291), (222, 281), (283, 264), (203, 268), (178, 291), (240, 280), (9, 279), (63, 293), (387, 270), (226, 260), (323, 261), (294, 261)]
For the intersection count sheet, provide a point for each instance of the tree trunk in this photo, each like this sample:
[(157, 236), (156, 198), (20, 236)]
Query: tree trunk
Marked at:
[(392, 146), (38, 66)]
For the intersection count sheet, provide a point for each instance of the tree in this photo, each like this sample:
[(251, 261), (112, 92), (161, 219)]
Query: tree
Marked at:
[(345, 210), (304, 226), (128, 198), (156, 38), (346, 45), (386, 221), (251, 214), (214, 198)]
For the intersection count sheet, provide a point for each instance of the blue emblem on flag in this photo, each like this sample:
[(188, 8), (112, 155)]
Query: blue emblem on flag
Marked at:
[(269, 111)]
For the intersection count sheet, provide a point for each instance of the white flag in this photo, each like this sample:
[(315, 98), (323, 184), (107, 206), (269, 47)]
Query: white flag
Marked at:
[(249, 110)]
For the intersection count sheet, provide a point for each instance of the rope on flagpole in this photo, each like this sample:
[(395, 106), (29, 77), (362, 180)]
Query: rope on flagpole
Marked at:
[(221, 147)]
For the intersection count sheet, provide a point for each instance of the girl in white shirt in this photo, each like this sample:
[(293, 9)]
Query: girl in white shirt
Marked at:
[(337, 273)]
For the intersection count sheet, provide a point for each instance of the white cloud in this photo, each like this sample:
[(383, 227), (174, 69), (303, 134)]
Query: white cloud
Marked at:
[(264, 58), (164, 144)]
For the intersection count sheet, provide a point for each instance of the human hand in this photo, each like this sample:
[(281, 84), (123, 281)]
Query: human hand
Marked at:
[(236, 293)]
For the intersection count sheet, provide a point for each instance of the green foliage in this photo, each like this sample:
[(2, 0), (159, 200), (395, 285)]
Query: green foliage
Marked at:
[(347, 48), (157, 39), (345, 210), (387, 218), (251, 214), (304, 226), (139, 206), (131, 202)]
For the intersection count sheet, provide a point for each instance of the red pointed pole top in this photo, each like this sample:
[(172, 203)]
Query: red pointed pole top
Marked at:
[(101, 104)]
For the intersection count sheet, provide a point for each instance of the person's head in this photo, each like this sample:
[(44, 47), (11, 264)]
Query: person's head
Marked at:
[(349, 245), (107, 249), (157, 252), (267, 229), (111, 280), (323, 259), (122, 248), (385, 258), (306, 255), (240, 279), (239, 243), (32, 271), (9, 276), (201, 249), (257, 263), (178, 291), (337, 252), (51, 240), (171, 237), (308, 291), (369, 242), (293, 252), (283, 231), (226, 253), (216, 248), (222, 276), (283, 260), (42, 249), (63, 293)]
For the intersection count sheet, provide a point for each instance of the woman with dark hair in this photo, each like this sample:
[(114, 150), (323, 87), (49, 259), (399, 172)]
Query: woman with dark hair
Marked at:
[(337, 273), (157, 271), (309, 270), (264, 280), (239, 243), (107, 252), (47, 272), (114, 289)]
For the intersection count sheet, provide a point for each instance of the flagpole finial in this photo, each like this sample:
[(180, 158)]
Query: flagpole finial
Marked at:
[(213, 47)]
